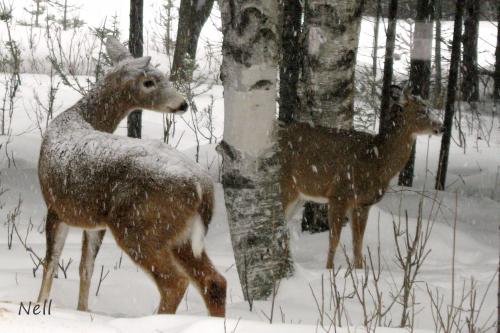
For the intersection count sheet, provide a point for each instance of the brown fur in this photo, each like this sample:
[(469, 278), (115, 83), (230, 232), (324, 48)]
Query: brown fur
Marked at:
[(145, 192), (349, 170)]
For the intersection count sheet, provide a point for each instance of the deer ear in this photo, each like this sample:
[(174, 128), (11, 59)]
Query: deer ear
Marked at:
[(407, 92), (406, 95), (133, 67), (116, 51), (395, 92), (141, 62)]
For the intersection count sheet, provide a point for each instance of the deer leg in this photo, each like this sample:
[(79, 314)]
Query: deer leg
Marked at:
[(292, 208), (172, 285), (91, 242), (209, 282), (55, 233), (290, 200), (156, 259), (171, 281), (336, 215), (359, 219)]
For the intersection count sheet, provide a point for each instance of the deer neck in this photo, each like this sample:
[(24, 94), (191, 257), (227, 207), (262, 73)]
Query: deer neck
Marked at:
[(394, 149), (103, 108)]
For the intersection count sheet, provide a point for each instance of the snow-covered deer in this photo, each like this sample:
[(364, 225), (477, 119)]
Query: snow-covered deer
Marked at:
[(349, 170), (156, 202)]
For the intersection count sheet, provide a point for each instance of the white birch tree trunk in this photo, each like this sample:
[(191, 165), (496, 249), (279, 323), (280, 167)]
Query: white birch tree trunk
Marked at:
[(420, 72), (331, 34), (326, 89), (250, 166)]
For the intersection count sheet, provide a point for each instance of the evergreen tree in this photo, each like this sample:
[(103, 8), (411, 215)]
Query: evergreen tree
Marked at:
[(65, 9), (36, 10)]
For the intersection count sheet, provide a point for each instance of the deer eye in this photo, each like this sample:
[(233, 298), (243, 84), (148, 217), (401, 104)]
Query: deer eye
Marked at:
[(149, 83)]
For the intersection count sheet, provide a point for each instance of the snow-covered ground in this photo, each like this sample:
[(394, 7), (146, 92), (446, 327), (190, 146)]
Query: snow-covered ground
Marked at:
[(127, 292), (127, 299)]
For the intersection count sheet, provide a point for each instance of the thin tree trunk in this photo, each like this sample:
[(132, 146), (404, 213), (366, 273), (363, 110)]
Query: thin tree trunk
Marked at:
[(451, 95), (192, 17), (291, 60), (326, 88), (420, 71), (378, 13), (496, 92), (37, 13), (470, 77), (135, 44), (65, 15), (168, 39), (388, 71), (259, 234), (438, 89)]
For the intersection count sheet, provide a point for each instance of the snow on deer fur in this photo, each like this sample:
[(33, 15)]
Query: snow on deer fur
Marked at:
[(156, 202)]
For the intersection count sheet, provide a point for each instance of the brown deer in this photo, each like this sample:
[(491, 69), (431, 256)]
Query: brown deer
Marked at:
[(156, 202), (349, 170)]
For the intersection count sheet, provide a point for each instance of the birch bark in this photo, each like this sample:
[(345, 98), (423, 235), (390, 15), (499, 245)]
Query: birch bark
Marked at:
[(326, 89), (259, 235), (420, 72), (331, 34)]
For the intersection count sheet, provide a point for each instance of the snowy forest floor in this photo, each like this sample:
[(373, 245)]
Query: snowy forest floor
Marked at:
[(473, 196)]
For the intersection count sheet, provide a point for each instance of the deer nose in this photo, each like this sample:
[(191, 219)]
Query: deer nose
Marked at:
[(439, 130), (184, 106)]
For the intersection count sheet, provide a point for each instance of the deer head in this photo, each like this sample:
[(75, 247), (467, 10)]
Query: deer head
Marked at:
[(413, 113), (143, 85)]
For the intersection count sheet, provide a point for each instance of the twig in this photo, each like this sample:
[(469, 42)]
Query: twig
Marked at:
[(101, 278)]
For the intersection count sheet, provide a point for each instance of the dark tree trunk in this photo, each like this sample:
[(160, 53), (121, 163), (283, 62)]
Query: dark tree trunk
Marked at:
[(438, 88), (290, 65), (470, 77), (37, 13), (451, 95), (420, 72), (65, 15), (496, 93), (192, 16), (378, 13), (315, 217), (135, 45), (389, 59), (406, 175)]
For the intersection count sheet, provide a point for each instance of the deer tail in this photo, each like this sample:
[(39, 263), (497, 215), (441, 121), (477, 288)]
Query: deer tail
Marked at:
[(202, 220)]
